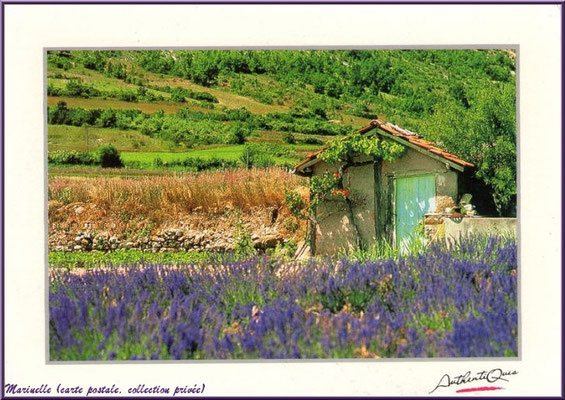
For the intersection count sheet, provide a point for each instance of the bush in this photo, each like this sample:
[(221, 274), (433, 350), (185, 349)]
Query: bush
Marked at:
[(289, 138), (256, 156), (177, 95), (65, 157), (312, 140), (126, 95), (110, 157), (204, 97), (53, 91)]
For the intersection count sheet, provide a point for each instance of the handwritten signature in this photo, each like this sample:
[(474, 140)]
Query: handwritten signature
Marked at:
[(494, 375)]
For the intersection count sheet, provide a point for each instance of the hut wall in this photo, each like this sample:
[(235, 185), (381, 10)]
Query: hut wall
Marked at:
[(372, 190), (335, 232)]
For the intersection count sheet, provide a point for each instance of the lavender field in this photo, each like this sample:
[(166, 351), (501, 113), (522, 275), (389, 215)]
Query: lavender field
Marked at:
[(446, 302)]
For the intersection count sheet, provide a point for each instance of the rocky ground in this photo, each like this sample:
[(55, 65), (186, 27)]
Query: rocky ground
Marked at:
[(198, 231)]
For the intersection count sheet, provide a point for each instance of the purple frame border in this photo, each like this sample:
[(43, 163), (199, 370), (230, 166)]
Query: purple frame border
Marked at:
[(260, 2)]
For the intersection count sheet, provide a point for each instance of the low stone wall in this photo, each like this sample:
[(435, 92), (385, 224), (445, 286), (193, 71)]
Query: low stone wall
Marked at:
[(457, 228), (168, 240)]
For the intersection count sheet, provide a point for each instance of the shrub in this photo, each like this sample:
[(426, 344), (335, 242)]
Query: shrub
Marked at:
[(65, 157), (107, 119), (204, 97), (75, 88), (177, 95), (255, 155), (289, 138), (312, 140), (110, 157), (243, 244), (53, 91), (126, 95)]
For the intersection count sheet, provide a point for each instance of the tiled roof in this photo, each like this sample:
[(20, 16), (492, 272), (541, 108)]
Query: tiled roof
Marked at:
[(400, 133)]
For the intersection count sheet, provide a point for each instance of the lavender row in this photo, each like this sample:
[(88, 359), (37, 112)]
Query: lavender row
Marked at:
[(444, 303)]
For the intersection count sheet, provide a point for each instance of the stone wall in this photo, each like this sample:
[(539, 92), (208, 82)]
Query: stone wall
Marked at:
[(171, 239), (455, 229), (441, 227)]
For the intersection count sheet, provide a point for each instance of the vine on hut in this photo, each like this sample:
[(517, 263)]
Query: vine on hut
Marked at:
[(341, 153), (342, 150)]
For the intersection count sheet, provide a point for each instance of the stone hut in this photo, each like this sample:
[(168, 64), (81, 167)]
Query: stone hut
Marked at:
[(391, 197)]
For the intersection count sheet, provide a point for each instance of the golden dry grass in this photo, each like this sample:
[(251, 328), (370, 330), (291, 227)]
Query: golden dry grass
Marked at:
[(123, 203), (212, 191)]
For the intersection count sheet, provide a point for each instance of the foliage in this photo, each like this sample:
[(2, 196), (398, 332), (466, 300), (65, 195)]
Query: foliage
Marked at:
[(342, 149), (464, 100), (437, 304), (260, 155), (295, 204), (243, 244), (177, 95), (196, 163), (110, 157), (312, 140), (66, 157), (97, 259), (191, 94), (486, 135), (289, 138), (322, 186)]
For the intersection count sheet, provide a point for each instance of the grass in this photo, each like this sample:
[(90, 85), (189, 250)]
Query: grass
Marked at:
[(129, 204), (228, 153), (93, 172), (64, 137), (148, 108), (224, 97), (94, 259), (243, 189), (99, 81)]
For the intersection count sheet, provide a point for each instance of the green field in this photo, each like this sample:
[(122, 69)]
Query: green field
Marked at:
[(140, 151), (95, 103), (63, 137), (94, 259), (228, 153)]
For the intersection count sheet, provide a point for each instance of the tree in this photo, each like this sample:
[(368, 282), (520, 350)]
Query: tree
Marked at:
[(110, 157)]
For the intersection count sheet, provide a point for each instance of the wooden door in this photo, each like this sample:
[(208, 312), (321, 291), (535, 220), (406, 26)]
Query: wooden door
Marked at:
[(414, 196)]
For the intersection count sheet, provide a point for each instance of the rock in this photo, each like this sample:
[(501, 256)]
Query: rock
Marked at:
[(268, 241), (254, 237), (77, 248), (102, 236)]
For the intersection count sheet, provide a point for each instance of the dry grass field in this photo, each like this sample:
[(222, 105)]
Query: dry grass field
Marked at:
[(130, 203)]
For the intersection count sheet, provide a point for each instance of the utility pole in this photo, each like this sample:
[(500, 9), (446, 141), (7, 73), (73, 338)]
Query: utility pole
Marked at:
[(85, 126)]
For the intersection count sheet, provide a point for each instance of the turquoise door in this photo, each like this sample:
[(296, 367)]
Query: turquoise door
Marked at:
[(415, 196)]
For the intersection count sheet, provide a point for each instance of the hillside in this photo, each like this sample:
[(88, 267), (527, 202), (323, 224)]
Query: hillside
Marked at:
[(166, 109)]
